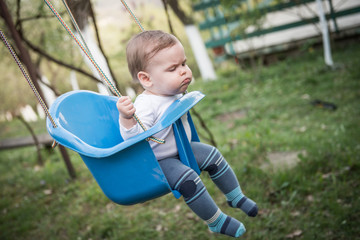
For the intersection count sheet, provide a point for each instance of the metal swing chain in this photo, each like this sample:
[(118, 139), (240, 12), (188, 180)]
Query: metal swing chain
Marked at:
[(27, 77), (92, 60)]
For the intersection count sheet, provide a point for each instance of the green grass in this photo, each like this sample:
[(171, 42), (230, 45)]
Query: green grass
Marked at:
[(317, 199)]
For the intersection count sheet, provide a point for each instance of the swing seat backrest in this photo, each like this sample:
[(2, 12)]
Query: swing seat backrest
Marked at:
[(127, 171), (90, 118)]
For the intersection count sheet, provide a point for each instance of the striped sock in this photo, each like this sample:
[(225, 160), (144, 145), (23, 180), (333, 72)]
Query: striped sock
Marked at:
[(237, 199), (221, 223)]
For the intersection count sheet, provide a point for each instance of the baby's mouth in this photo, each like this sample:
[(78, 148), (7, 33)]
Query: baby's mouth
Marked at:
[(187, 81)]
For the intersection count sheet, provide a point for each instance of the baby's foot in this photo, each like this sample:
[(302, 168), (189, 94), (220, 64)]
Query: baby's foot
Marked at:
[(247, 205), (227, 225), (237, 199)]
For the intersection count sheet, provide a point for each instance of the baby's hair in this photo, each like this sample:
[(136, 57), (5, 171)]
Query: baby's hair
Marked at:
[(143, 46)]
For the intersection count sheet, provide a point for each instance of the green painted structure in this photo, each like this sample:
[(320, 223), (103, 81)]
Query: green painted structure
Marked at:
[(220, 23)]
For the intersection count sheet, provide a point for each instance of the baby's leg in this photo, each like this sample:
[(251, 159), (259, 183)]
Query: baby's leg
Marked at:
[(211, 160), (189, 184)]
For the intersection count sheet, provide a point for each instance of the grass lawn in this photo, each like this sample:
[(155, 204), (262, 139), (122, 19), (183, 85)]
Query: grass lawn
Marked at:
[(298, 161)]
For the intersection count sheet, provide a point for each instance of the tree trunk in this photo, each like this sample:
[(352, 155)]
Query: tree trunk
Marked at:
[(82, 10)]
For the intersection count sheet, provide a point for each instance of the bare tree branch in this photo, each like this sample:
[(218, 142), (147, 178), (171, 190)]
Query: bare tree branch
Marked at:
[(38, 16), (185, 19), (19, 20), (40, 160), (18, 2), (211, 138), (165, 4), (47, 56), (57, 93)]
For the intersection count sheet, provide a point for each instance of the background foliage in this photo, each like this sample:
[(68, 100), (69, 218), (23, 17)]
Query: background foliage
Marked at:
[(316, 199)]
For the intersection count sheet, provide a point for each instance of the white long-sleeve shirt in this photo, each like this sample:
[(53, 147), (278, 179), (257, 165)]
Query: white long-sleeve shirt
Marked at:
[(149, 109)]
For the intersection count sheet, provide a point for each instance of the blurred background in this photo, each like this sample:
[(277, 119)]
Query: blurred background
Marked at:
[(282, 85)]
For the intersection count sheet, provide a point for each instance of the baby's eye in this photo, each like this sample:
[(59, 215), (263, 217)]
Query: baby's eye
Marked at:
[(172, 69)]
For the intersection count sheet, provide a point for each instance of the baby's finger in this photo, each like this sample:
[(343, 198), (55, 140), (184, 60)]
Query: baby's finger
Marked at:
[(123, 101)]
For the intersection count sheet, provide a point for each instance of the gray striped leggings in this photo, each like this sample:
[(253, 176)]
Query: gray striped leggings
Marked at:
[(189, 184)]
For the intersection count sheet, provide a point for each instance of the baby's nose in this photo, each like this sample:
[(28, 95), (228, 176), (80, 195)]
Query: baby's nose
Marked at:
[(182, 71)]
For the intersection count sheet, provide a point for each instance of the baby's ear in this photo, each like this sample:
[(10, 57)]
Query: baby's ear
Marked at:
[(144, 79)]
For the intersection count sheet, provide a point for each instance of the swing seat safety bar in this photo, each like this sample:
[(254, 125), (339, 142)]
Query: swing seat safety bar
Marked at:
[(126, 171)]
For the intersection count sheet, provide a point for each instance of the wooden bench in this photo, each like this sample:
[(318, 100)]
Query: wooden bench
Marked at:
[(44, 140)]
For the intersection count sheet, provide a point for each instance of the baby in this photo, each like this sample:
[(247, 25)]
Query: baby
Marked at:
[(158, 61)]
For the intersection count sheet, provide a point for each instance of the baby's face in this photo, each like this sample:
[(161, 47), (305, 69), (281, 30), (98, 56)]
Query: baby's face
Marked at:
[(168, 71)]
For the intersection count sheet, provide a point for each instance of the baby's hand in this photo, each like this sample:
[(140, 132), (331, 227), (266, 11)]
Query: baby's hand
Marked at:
[(125, 107)]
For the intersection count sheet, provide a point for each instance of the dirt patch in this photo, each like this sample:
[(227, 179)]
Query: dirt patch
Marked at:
[(240, 114), (282, 160)]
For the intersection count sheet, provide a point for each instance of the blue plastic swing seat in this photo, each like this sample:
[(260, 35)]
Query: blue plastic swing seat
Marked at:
[(126, 171)]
